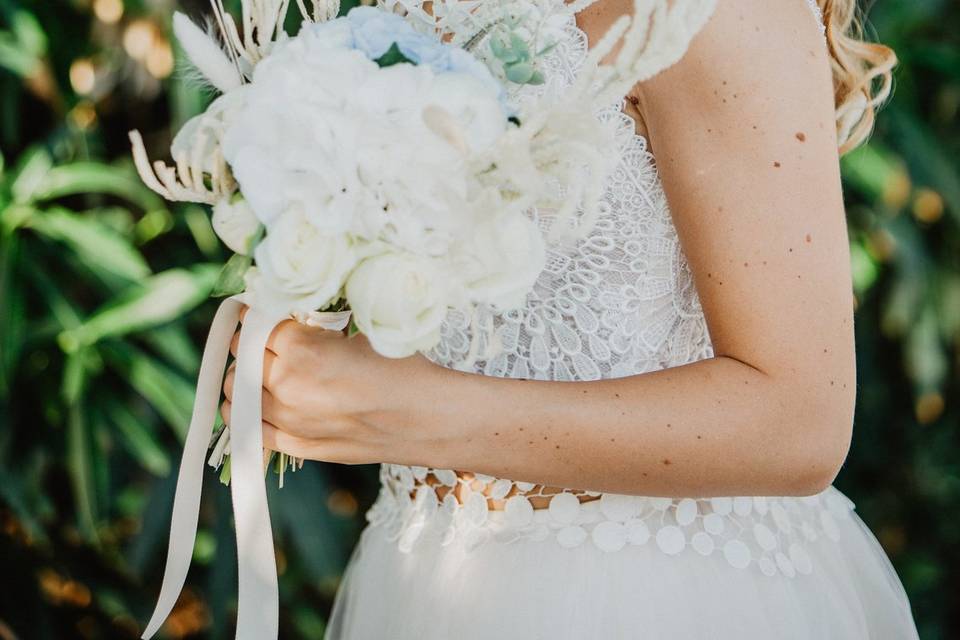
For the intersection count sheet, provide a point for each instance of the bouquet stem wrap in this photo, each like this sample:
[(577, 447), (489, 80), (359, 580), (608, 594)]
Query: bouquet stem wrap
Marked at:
[(258, 603)]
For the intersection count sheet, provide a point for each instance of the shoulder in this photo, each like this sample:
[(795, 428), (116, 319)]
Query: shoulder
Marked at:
[(772, 51)]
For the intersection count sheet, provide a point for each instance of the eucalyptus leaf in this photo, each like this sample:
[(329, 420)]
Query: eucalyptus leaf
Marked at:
[(520, 72)]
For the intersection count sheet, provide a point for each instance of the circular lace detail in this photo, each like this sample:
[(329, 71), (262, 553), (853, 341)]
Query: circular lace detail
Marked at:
[(770, 534)]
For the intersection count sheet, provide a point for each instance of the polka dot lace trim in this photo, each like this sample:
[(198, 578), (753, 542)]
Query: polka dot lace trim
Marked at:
[(770, 534)]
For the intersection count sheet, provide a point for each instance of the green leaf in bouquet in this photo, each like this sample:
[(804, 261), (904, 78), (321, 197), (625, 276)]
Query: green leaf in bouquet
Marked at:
[(352, 328), (537, 78), (392, 56), (519, 46), (93, 241), (502, 51), (225, 471), (157, 300), (519, 72), (230, 279)]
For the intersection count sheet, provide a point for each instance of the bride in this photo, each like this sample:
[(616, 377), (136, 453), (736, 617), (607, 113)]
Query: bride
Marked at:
[(686, 372)]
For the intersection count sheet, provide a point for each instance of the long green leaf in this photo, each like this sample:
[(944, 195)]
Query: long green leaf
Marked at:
[(138, 439), (155, 301), (168, 392), (173, 343), (79, 465), (13, 318), (29, 174), (93, 241), (94, 177)]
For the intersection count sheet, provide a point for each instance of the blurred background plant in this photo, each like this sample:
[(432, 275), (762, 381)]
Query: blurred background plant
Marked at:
[(103, 306)]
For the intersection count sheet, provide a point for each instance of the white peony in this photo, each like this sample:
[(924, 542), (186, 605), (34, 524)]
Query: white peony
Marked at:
[(399, 301), (299, 267), (329, 134), (502, 260), (234, 223)]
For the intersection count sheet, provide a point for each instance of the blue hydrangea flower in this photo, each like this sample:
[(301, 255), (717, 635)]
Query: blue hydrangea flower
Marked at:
[(373, 31)]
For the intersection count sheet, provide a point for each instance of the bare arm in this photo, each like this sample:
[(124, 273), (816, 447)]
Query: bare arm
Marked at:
[(743, 132)]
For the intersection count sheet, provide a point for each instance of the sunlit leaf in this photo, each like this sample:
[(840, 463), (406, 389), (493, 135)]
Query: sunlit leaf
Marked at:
[(92, 177), (30, 173), (155, 301), (93, 241), (230, 279)]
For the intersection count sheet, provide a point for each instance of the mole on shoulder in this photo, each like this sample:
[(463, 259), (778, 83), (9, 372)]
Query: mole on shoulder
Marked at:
[(801, 136), (666, 461)]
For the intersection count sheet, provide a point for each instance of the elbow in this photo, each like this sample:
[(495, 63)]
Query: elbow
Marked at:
[(820, 440), (818, 470)]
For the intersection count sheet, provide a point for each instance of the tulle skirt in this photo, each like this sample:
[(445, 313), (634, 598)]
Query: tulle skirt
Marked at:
[(537, 589)]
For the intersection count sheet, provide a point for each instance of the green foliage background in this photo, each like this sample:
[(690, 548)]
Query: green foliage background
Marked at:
[(104, 302)]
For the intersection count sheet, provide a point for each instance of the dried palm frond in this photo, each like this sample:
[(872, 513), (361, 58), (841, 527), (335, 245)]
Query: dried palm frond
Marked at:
[(199, 175)]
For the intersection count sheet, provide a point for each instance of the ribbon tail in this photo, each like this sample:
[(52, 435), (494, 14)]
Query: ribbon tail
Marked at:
[(186, 501), (258, 604)]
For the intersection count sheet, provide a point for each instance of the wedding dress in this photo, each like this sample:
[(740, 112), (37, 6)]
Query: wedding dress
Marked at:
[(620, 302)]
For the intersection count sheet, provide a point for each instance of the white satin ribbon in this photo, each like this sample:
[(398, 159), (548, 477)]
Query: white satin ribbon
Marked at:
[(258, 602)]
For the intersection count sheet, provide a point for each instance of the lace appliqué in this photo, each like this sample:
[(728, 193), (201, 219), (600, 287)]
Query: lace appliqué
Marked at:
[(618, 302), (770, 534)]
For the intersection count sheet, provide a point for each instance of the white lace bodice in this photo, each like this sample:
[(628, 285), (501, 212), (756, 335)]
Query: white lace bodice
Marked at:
[(619, 302)]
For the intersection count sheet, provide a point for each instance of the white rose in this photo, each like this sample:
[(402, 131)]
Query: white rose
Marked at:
[(503, 260), (300, 266), (235, 224), (399, 301)]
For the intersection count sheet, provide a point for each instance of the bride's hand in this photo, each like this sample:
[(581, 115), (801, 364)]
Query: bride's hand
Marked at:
[(333, 398)]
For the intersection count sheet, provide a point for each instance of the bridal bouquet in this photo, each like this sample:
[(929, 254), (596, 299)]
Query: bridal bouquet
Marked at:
[(370, 173)]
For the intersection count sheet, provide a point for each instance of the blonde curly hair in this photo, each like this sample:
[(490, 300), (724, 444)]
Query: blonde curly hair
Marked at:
[(862, 72)]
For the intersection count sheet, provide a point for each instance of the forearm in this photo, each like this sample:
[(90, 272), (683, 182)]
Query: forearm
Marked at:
[(715, 427)]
